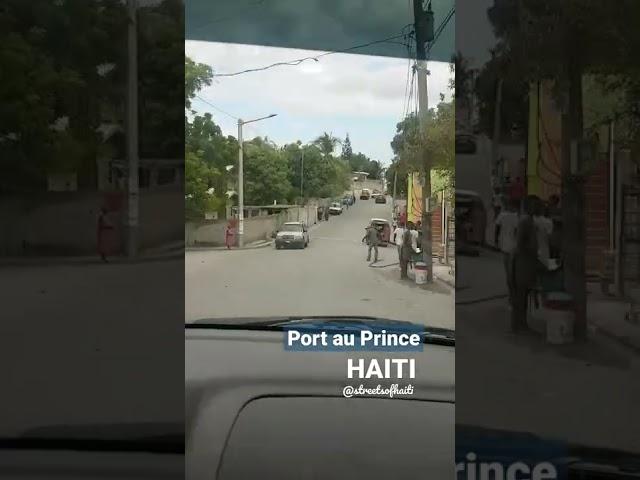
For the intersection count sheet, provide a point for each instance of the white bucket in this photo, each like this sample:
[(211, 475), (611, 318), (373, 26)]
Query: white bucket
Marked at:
[(559, 324), (420, 269)]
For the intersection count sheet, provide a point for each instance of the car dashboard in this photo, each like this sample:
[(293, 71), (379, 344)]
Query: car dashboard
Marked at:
[(256, 410)]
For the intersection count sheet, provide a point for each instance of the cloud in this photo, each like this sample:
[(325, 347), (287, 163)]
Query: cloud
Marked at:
[(342, 91)]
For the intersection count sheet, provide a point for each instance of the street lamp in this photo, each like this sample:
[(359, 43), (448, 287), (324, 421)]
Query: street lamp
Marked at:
[(241, 177)]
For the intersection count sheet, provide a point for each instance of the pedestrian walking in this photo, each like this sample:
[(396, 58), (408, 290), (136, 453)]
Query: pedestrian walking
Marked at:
[(524, 265), (398, 235), (407, 250), (372, 237), (105, 234), (229, 236), (506, 227)]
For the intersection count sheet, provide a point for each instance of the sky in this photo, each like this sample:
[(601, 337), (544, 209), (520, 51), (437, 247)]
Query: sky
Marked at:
[(361, 95)]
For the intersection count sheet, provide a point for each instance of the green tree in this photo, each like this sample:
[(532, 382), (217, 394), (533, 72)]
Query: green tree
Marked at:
[(327, 143), (266, 173), (563, 41), (196, 77), (440, 146), (49, 54), (160, 40), (205, 151), (347, 151)]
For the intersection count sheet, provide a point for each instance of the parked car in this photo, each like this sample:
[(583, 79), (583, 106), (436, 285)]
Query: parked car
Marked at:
[(335, 209), (381, 199), (365, 194), (292, 234), (347, 200)]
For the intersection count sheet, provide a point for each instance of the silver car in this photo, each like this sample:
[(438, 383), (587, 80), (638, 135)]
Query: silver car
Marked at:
[(292, 234)]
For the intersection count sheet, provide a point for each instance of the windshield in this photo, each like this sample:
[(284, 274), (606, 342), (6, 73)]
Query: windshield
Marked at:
[(302, 161), (291, 228)]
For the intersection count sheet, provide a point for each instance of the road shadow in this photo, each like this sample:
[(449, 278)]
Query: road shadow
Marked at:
[(492, 320)]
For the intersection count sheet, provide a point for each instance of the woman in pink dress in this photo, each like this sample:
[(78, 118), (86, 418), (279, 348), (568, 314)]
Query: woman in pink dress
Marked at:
[(105, 230)]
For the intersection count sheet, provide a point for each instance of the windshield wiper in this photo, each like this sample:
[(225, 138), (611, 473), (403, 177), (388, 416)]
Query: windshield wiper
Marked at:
[(431, 335), (143, 438)]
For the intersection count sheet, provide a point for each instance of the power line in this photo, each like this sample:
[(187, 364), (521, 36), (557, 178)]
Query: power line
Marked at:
[(217, 108), (315, 58), (440, 29)]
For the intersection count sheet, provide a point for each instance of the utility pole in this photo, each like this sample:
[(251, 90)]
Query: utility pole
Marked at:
[(240, 186), (573, 195), (132, 130), (395, 182), (302, 175), (241, 123), (495, 147), (423, 23)]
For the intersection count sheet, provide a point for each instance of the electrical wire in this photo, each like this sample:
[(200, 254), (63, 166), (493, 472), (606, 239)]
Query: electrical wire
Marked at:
[(217, 108), (440, 29), (406, 86), (315, 58)]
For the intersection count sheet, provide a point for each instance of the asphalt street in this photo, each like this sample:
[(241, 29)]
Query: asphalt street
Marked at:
[(92, 343), (584, 393), (330, 277)]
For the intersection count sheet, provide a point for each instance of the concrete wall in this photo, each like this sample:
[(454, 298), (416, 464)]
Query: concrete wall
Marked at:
[(370, 184), (66, 223), (255, 228)]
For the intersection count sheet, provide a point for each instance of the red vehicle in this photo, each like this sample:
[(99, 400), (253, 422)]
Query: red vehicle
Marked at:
[(384, 227)]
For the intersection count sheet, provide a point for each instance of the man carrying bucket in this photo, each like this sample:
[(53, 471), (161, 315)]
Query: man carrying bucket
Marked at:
[(407, 250), (372, 237)]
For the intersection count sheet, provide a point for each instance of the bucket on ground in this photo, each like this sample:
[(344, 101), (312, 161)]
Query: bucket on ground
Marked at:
[(420, 269), (558, 313)]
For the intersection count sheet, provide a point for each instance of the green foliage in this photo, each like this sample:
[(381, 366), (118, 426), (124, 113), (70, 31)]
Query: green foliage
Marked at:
[(207, 152), (327, 144), (198, 179), (196, 77), (50, 53), (347, 151), (266, 173), (439, 146), (544, 40)]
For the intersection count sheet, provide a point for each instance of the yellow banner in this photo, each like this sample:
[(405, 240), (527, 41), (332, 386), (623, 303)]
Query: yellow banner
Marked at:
[(414, 198)]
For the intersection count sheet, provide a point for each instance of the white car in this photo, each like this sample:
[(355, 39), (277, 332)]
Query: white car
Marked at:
[(292, 234), (335, 209)]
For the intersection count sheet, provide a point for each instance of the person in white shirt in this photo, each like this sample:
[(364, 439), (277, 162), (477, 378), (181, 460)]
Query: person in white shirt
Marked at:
[(544, 229), (415, 235), (507, 225), (398, 233)]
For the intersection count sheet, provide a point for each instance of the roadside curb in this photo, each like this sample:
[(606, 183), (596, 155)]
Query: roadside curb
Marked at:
[(482, 299), (621, 339), (248, 247), (451, 285)]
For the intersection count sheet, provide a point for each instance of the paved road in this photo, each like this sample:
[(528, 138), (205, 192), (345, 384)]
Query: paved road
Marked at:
[(91, 344), (584, 393), (330, 277)]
